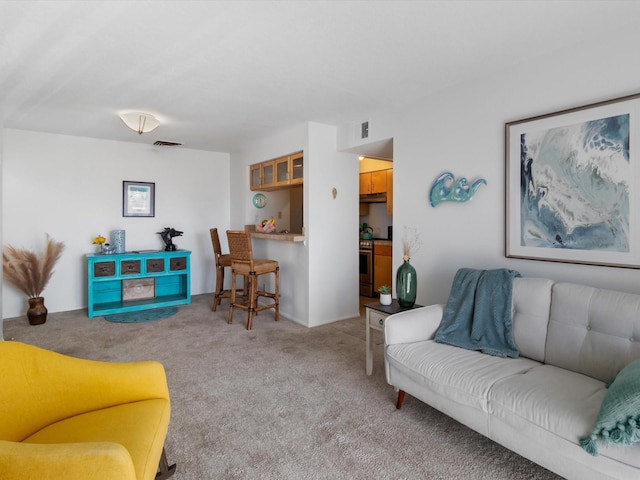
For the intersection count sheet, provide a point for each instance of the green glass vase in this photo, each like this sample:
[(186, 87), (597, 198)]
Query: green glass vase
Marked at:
[(406, 284)]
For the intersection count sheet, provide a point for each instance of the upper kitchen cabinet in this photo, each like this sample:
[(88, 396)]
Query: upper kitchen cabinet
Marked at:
[(373, 182), (296, 163), (262, 175), (278, 173)]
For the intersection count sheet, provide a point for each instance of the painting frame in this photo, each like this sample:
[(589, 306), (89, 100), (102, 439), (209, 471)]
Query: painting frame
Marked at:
[(138, 199), (571, 190)]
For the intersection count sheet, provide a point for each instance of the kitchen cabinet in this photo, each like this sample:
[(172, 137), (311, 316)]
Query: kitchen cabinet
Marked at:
[(255, 177), (296, 162), (381, 265), (390, 191), (262, 175), (283, 171), (277, 173), (373, 182)]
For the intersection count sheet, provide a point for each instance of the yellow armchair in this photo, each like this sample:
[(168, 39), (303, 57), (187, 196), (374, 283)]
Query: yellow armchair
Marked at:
[(69, 418)]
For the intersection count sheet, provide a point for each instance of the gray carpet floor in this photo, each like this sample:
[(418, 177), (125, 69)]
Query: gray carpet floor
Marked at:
[(281, 401)]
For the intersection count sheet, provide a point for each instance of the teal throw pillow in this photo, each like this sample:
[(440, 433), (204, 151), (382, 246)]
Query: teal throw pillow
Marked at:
[(618, 421)]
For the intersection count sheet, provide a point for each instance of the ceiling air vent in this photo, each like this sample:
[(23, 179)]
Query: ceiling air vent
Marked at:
[(163, 143)]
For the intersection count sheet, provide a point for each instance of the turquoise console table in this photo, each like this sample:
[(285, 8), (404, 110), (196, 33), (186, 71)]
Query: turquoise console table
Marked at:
[(137, 280)]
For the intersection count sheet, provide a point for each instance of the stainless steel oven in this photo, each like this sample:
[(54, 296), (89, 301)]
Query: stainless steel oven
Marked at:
[(366, 268)]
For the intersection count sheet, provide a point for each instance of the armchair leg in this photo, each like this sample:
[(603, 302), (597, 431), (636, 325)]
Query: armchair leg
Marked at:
[(400, 399), (164, 470)]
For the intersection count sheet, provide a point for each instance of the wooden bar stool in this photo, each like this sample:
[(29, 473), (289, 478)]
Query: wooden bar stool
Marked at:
[(243, 263), (222, 261)]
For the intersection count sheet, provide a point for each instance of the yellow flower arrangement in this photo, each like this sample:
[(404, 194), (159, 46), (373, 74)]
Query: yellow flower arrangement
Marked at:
[(99, 240)]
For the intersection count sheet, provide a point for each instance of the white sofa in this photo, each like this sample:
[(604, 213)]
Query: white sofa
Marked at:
[(572, 340)]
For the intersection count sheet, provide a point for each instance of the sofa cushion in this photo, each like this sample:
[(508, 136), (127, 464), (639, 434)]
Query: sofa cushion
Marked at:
[(530, 312), (618, 420), (551, 400), (592, 331), (140, 427), (464, 376), (557, 400)]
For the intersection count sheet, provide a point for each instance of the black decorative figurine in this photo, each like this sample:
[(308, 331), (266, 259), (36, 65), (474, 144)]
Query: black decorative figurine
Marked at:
[(167, 237)]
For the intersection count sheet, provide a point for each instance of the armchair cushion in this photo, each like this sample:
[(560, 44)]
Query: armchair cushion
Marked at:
[(59, 413)]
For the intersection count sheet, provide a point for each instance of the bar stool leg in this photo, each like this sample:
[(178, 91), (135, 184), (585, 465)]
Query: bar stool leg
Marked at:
[(217, 298), (253, 298), (233, 296), (277, 292)]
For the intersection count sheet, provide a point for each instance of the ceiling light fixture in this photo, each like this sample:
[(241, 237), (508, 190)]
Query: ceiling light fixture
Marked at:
[(140, 122)]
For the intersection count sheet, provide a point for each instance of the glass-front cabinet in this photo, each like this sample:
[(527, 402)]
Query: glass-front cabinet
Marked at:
[(277, 173), (268, 174), (282, 171), (296, 161), (255, 177)]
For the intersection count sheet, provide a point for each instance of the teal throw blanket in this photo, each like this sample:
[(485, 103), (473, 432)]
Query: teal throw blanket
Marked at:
[(478, 312)]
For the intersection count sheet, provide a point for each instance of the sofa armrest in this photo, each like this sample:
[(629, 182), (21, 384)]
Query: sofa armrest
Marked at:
[(68, 461), (414, 325)]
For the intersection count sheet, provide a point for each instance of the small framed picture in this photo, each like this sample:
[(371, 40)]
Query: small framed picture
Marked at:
[(138, 199)]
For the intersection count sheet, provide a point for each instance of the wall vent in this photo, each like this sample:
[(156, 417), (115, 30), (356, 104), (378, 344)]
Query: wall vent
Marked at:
[(365, 130), (163, 143)]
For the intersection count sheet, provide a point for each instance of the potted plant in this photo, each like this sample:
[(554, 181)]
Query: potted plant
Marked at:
[(30, 273), (385, 295)]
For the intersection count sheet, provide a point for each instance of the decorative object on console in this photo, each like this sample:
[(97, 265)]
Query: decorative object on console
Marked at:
[(385, 295), (118, 241), (570, 185), (108, 249), (446, 189), (138, 199), (140, 122), (99, 241), (167, 237), (30, 273)]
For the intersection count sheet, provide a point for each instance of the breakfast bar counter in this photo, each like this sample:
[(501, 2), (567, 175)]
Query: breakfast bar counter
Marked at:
[(280, 237)]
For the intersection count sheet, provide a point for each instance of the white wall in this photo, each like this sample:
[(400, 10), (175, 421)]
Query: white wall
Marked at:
[(332, 228), (71, 188), (462, 130)]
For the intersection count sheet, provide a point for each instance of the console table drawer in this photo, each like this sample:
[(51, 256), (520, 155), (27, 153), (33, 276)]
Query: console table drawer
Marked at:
[(104, 269), (155, 265), (130, 267), (178, 263)]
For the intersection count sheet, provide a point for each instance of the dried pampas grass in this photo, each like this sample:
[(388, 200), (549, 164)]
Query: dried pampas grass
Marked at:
[(29, 272)]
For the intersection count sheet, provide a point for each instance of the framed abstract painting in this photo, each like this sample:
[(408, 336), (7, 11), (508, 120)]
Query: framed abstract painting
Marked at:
[(573, 185)]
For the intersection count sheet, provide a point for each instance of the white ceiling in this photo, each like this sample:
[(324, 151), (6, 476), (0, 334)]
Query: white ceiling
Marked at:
[(220, 73)]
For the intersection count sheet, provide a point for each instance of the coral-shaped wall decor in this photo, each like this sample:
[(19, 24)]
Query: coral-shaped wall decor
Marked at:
[(446, 188)]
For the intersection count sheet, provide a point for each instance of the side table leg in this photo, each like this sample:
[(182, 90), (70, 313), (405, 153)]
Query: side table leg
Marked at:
[(368, 346)]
